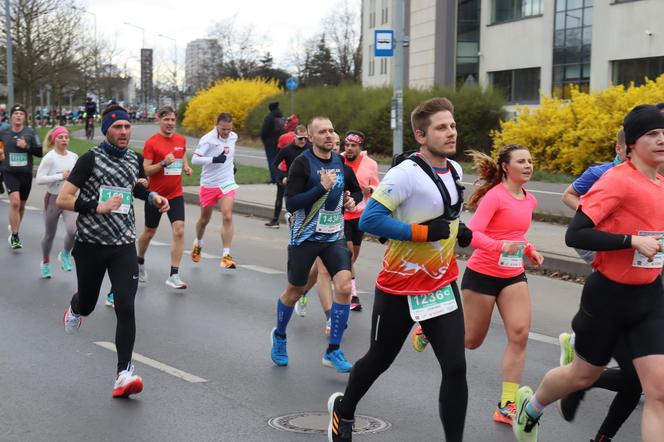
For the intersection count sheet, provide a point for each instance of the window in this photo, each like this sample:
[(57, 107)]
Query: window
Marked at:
[(572, 43), (508, 10), (383, 66), (519, 85), (383, 11), (372, 62), (636, 70), (468, 42), (372, 14)]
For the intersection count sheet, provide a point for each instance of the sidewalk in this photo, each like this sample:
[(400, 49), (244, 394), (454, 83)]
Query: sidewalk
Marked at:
[(549, 239)]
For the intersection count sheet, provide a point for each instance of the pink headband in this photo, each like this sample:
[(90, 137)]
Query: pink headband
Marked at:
[(354, 138), (57, 131)]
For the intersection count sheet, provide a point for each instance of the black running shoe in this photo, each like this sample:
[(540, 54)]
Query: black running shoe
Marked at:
[(339, 429), (569, 404), (355, 304)]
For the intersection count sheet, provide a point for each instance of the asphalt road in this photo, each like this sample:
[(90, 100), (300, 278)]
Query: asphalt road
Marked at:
[(57, 387), (548, 194)]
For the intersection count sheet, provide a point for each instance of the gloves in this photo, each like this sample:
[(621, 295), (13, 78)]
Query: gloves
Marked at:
[(219, 158), (438, 229), (465, 235)]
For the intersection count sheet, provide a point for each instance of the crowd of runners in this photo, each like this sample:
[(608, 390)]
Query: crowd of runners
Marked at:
[(332, 198)]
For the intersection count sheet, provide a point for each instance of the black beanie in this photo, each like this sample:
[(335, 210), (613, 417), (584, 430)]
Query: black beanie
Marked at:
[(640, 120), (17, 108), (272, 106)]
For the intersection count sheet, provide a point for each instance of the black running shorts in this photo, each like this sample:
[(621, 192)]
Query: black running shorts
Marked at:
[(18, 182), (610, 310), (335, 256), (175, 213), (488, 285), (352, 231)]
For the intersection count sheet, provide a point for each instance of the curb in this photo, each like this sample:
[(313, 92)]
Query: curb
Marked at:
[(552, 262)]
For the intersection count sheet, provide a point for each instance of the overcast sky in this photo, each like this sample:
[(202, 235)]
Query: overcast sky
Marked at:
[(186, 20)]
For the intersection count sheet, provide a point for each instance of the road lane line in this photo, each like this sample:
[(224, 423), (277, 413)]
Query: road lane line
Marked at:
[(262, 269), (159, 243), (156, 364), (543, 338)]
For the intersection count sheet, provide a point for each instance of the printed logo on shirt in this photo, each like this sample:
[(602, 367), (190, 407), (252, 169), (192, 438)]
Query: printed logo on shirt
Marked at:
[(178, 148), (226, 150)]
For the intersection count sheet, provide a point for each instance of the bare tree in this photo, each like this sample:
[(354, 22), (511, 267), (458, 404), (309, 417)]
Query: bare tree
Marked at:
[(240, 47), (343, 29)]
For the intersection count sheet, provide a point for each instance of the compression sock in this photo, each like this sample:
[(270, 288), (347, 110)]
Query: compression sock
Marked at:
[(284, 313), (339, 319)]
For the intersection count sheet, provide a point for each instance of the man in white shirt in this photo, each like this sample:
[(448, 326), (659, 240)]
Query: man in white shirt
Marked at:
[(215, 153)]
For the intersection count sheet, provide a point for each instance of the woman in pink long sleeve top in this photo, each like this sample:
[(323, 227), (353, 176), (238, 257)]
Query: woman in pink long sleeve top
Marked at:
[(495, 273)]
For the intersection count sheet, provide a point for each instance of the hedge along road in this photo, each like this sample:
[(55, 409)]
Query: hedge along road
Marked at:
[(548, 194)]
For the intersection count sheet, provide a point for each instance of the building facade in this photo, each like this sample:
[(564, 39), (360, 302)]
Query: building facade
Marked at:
[(202, 64), (523, 47)]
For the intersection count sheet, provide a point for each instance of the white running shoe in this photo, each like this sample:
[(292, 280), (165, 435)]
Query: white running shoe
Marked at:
[(175, 282), (301, 306), (72, 321), (127, 383), (142, 273)]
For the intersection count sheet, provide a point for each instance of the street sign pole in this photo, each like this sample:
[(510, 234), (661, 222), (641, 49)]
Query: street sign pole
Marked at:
[(397, 101), (10, 61), (292, 84)]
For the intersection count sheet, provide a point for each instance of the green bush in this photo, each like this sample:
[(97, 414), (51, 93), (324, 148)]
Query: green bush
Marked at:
[(349, 106)]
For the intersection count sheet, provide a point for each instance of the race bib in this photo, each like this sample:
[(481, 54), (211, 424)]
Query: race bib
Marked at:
[(512, 260), (175, 168), (106, 192), (440, 302), (18, 159), (329, 222), (641, 261)]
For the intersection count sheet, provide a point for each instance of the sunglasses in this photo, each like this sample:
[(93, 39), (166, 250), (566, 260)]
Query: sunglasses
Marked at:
[(300, 138)]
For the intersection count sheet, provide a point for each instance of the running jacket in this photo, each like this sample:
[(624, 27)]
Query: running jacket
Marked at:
[(366, 172), (9, 138)]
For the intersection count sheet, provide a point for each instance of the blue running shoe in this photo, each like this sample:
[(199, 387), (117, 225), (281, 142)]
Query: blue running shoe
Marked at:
[(337, 360), (45, 270), (65, 260), (279, 353), (110, 300)]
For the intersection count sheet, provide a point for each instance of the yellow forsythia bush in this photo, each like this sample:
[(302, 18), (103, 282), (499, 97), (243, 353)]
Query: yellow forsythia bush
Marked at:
[(568, 136), (237, 96)]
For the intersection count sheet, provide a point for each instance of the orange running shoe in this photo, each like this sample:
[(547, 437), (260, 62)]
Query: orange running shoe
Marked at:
[(506, 414), (227, 262), (196, 251), (419, 339)]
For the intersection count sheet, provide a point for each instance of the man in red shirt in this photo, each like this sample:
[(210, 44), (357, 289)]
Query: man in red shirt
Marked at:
[(165, 158), (366, 171)]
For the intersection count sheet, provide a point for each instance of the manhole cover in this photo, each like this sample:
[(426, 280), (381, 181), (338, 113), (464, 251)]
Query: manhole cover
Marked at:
[(316, 423)]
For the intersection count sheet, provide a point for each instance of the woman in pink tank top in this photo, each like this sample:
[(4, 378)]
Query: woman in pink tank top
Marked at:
[(495, 273)]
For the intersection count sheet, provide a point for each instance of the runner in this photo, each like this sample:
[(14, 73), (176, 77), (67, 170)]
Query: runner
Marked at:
[(583, 183), (366, 171), (53, 170), (419, 212), (623, 297), (20, 145), (165, 158), (215, 153), (106, 233), (317, 190)]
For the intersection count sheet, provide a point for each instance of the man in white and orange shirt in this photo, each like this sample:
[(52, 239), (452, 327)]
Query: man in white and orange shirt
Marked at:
[(366, 171)]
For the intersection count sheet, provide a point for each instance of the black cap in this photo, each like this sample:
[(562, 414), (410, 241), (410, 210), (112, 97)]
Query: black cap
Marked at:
[(640, 120), (272, 106), (17, 108)]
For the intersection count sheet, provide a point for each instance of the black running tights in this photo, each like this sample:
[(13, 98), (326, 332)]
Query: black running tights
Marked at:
[(390, 326), (92, 262)]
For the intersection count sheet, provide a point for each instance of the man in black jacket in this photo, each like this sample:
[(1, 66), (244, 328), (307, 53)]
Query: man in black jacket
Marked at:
[(272, 128)]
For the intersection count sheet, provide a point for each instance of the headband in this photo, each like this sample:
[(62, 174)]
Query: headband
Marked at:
[(112, 117), (355, 138), (17, 108), (57, 131)]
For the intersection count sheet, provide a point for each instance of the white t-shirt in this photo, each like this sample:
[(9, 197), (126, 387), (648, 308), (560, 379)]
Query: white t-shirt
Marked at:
[(52, 167), (220, 174)]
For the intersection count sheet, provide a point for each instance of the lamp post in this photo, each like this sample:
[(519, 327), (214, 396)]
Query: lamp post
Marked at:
[(142, 32), (96, 54), (10, 61), (144, 93), (175, 69)]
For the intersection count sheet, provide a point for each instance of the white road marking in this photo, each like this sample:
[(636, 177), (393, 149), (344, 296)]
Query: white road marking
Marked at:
[(262, 269), (156, 364), (159, 243), (32, 208), (543, 338), (204, 255)]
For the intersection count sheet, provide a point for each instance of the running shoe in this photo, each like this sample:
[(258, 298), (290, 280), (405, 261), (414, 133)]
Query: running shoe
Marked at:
[(336, 359), (566, 349), (288, 217), (65, 260), (14, 242), (328, 327), (71, 320), (196, 251), (419, 339), (355, 304), (568, 405), (142, 273), (45, 270), (279, 352), (227, 262), (273, 224), (505, 415), (301, 306), (127, 383), (339, 429), (524, 427), (175, 282), (110, 300)]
